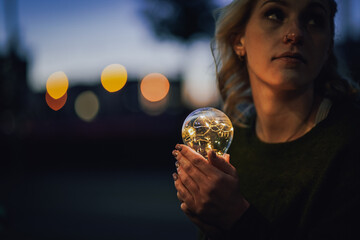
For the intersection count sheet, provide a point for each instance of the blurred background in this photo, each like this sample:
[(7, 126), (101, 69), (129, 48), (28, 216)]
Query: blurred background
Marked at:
[(97, 164)]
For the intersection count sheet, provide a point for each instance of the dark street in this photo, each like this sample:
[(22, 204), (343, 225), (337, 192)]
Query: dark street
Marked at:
[(97, 205)]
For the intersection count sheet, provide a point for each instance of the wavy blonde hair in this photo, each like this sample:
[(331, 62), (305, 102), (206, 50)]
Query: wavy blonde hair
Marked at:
[(232, 74)]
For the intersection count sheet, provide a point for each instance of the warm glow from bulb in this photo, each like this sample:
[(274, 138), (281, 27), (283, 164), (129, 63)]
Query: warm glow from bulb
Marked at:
[(114, 77), (87, 106), (57, 85), (55, 104), (191, 131), (154, 87), (207, 128)]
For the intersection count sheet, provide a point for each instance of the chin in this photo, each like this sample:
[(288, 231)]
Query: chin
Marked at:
[(290, 84)]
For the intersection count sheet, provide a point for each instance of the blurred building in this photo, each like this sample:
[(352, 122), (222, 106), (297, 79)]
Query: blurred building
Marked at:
[(13, 74)]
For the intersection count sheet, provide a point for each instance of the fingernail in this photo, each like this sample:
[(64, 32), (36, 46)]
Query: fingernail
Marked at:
[(177, 164), (175, 176), (175, 153), (178, 147)]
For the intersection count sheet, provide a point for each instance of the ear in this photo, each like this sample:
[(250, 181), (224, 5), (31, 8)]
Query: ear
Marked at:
[(239, 45)]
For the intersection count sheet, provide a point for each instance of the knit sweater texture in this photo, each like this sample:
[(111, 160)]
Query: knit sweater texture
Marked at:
[(304, 189)]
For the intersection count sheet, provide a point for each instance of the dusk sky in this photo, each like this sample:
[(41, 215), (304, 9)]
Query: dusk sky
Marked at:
[(82, 37)]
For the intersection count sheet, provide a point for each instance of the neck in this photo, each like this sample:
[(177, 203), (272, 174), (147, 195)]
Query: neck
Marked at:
[(284, 116)]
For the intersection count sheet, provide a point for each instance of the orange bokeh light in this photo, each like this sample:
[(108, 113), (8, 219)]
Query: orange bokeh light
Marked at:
[(55, 104), (154, 87)]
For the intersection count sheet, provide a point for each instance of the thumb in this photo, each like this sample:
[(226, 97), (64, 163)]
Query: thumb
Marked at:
[(227, 157), (222, 163)]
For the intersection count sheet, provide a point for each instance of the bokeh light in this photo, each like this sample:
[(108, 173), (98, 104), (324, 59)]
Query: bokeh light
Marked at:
[(114, 77), (87, 106), (57, 84), (199, 88), (153, 108), (154, 87), (55, 104)]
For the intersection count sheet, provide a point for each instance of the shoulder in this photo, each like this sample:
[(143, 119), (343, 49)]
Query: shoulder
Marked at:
[(343, 126), (344, 115), (346, 107)]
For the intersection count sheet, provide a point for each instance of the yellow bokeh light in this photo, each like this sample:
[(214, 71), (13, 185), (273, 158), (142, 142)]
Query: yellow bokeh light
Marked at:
[(114, 77), (57, 85), (87, 106), (154, 87)]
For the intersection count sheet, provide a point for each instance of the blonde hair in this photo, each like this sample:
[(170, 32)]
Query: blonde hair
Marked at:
[(231, 71)]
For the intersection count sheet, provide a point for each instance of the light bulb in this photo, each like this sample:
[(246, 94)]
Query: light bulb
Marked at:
[(207, 129)]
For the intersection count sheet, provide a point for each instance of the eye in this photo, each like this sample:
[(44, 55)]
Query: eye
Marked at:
[(315, 20), (275, 14)]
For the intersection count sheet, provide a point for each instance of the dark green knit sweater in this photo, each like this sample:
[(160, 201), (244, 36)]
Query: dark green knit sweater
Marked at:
[(304, 189)]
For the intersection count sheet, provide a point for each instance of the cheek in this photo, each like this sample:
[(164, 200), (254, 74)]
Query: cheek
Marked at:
[(319, 53), (255, 58), (257, 50)]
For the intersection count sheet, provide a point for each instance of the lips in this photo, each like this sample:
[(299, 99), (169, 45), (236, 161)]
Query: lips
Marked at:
[(291, 57)]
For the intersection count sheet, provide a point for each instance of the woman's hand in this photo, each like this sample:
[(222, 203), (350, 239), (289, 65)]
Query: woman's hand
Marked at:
[(208, 190)]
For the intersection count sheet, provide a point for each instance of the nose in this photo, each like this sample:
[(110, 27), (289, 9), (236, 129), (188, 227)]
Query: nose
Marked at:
[(294, 34)]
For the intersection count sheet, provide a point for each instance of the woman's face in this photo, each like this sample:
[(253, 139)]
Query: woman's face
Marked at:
[(292, 62)]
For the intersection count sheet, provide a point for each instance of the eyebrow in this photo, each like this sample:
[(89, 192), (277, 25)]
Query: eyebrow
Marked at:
[(317, 5), (275, 1), (284, 3)]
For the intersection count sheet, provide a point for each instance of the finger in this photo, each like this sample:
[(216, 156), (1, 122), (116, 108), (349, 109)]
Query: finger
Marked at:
[(184, 207), (204, 227), (188, 181), (195, 159), (222, 163), (178, 195), (183, 194), (227, 157), (194, 172)]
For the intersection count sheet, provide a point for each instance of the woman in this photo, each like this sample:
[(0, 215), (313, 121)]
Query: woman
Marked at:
[(293, 168)]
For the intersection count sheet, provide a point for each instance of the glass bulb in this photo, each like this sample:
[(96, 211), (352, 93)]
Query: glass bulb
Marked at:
[(207, 129)]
